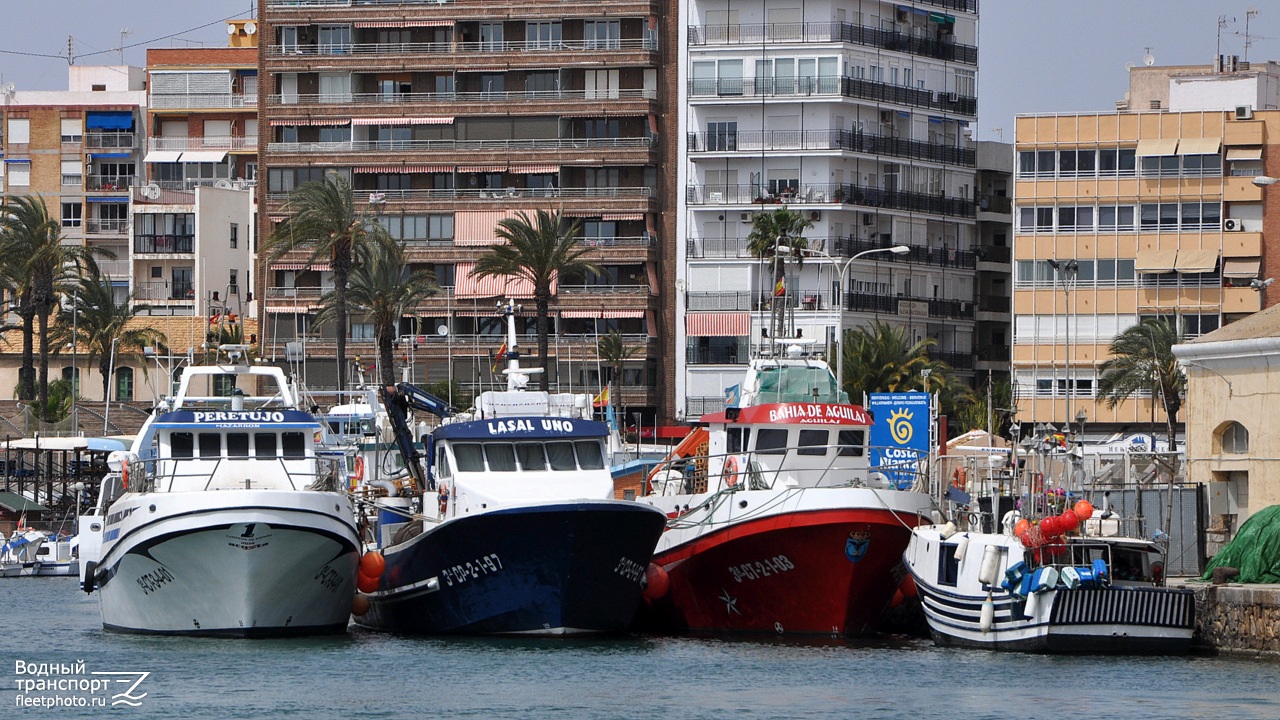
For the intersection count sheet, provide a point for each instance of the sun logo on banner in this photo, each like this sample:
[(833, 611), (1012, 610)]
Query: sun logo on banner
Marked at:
[(900, 426)]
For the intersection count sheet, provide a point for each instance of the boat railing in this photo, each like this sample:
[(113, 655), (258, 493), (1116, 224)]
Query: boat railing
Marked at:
[(187, 473), (815, 466)]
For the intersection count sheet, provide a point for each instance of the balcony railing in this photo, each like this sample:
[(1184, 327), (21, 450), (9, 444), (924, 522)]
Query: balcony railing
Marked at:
[(461, 48), (994, 254), (957, 360), (993, 303), (429, 194), (932, 307), (846, 193), (834, 86), (162, 244), (695, 355), (163, 290), (238, 142), (829, 140), (603, 289), (995, 204), (830, 32), (110, 141), (107, 226), (720, 301), (110, 183), (183, 101), (348, 3), (430, 145), (459, 97), (919, 254)]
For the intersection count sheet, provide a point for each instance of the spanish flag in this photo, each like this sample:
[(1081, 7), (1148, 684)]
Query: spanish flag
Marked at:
[(502, 355), (602, 399), (780, 289)]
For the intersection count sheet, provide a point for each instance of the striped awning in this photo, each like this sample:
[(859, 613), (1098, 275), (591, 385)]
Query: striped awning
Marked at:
[(301, 122), (466, 286), (400, 23), (482, 168), (533, 169), (428, 120), (719, 324), (622, 216), (317, 266), (478, 227), (366, 169), (602, 314), (602, 113)]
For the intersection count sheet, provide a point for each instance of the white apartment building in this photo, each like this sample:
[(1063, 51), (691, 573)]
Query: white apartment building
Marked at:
[(856, 114)]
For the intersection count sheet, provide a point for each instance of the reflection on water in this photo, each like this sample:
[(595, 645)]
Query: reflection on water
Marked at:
[(365, 674)]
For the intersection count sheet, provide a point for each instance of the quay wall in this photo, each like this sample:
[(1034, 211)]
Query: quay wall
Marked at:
[(1236, 618)]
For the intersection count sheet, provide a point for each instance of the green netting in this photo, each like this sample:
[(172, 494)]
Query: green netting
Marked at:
[(1255, 550)]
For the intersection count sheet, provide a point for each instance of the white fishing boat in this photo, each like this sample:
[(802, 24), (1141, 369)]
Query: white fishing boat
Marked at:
[(19, 554), (225, 518), (58, 556), (1062, 589)]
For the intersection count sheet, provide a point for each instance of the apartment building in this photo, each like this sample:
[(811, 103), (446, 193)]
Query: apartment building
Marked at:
[(856, 115), (1156, 209), (993, 256), (448, 116), (79, 149)]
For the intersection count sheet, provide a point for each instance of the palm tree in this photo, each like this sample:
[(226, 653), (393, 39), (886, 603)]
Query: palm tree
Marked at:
[(539, 250), (31, 236), (18, 287), (104, 325), (383, 288), (883, 358), (769, 231), (1142, 361), (613, 350), (324, 220)]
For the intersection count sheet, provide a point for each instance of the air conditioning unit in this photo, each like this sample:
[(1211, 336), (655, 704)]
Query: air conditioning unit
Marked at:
[(746, 217), (886, 116), (953, 97), (816, 215), (1232, 225), (1244, 112)]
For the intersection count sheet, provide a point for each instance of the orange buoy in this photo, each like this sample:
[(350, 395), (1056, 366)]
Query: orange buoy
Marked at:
[(360, 604), (1021, 528), (1084, 510), (656, 582), (366, 584), (373, 564)]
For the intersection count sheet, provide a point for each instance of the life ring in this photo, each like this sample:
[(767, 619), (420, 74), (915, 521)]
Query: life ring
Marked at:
[(124, 475), (960, 478), (443, 497), (357, 474), (730, 472)]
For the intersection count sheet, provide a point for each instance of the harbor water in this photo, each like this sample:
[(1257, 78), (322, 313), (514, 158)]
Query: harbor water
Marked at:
[(48, 621)]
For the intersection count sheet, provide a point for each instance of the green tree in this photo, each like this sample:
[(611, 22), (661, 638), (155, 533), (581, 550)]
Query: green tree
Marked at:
[(613, 350), (1142, 362), (384, 290), (537, 249), (770, 231), (93, 313), (972, 415), (17, 286), (884, 358), (32, 238), (325, 221)]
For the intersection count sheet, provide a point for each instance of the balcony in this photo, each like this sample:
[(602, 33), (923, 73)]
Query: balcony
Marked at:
[(153, 290), (455, 52), (202, 101), (239, 143), (110, 141), (804, 87), (957, 360), (110, 183), (905, 305), (919, 255), (107, 226), (695, 355), (162, 244), (452, 195), (831, 32), (407, 146), (793, 140), (347, 3), (342, 101), (847, 194)]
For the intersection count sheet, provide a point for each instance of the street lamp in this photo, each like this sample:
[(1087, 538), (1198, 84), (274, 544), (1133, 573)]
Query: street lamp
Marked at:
[(1263, 180)]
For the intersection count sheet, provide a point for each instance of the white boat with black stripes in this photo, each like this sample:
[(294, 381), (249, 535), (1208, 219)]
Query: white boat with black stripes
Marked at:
[(1069, 583), (227, 517)]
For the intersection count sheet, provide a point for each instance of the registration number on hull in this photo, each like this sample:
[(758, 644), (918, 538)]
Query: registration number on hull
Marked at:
[(768, 567), (471, 569)]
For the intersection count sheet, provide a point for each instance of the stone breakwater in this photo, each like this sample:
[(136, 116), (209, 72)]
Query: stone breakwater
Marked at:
[(1238, 618)]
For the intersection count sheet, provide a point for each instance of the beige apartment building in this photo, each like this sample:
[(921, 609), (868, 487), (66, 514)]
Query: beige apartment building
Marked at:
[(1125, 215)]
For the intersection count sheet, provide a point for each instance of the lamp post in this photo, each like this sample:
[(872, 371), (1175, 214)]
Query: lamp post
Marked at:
[(1065, 271), (842, 269)]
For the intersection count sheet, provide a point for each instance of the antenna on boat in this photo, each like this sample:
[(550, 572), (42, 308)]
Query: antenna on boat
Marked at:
[(517, 377)]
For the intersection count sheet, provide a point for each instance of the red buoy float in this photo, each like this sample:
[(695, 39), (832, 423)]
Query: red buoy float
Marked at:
[(656, 582), (372, 564), (360, 604), (1084, 510), (1068, 521), (366, 584), (1049, 526)]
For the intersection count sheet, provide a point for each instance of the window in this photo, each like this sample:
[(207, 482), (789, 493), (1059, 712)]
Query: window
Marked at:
[(71, 214), (722, 136), (224, 385), (500, 456), (491, 37), (233, 287), (541, 83), (19, 174), (492, 85), (238, 445), (335, 87), (1234, 438), (542, 35), (1197, 325), (948, 566), (210, 445), (531, 457), (334, 40), (813, 442), (851, 443), (335, 134), (235, 237), (470, 457), (590, 454), (19, 131), (124, 384), (71, 130), (181, 444), (293, 444), (264, 445), (771, 442), (560, 456), (602, 34)]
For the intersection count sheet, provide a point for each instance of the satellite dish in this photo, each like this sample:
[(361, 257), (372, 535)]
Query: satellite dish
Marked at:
[(231, 29), (250, 27), (223, 183), (1148, 59), (442, 331), (151, 191)]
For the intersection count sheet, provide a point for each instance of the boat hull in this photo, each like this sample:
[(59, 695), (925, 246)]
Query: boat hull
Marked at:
[(553, 569), (817, 570), (259, 564)]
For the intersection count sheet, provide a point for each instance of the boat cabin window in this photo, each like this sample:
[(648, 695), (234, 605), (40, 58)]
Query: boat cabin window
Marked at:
[(293, 444), (442, 464), (237, 444), (501, 457), (210, 445), (735, 439), (813, 442), (560, 455), (470, 457), (948, 566), (771, 441), (182, 444), (531, 456), (797, 383), (590, 457), (264, 445), (851, 443)]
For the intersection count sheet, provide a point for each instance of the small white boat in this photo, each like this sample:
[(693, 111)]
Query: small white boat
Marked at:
[(19, 554), (225, 518), (1086, 594), (58, 557)]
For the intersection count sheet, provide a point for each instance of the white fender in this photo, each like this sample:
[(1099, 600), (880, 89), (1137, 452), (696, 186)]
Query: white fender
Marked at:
[(988, 615), (990, 568), (1032, 607), (962, 546), (946, 531)]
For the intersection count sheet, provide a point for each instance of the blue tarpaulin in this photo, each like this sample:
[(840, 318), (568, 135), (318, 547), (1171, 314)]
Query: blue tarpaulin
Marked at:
[(109, 120)]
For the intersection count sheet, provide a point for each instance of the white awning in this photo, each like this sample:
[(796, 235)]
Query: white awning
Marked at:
[(1157, 146), (1154, 262), (1196, 261), (1244, 153), (162, 156), (1199, 146), (209, 156), (1242, 267)]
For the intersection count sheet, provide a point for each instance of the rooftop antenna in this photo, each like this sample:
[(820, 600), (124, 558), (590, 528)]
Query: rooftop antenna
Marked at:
[(1147, 58), (71, 57), (1222, 23), (124, 32), (1248, 40)]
